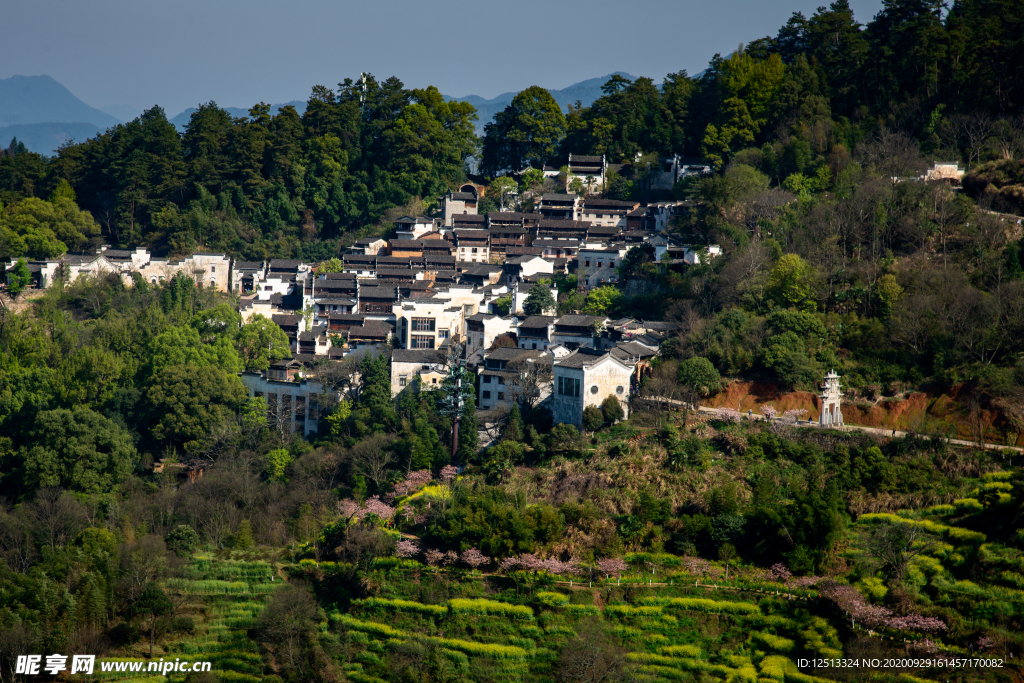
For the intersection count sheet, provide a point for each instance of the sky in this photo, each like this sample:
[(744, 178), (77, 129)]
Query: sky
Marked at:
[(178, 54)]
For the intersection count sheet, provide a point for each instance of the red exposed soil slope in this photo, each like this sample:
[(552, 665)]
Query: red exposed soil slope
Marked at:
[(915, 412)]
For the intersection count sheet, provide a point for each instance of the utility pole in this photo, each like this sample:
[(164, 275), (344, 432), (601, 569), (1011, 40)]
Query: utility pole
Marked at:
[(453, 402)]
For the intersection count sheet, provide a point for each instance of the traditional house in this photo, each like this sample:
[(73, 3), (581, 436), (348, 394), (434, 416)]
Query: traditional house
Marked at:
[(427, 323), (517, 268), (408, 364), (591, 170), (292, 406), (368, 246), (247, 276), (535, 332), (559, 206), (409, 228), (607, 212), (595, 267), (483, 328), (497, 379), (587, 378), (575, 331), (472, 245), (378, 300), (469, 221), (458, 203)]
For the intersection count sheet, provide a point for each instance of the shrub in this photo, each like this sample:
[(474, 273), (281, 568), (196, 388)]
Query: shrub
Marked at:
[(611, 408), (182, 540), (777, 666), (679, 651), (582, 610), (633, 611), (708, 605), (774, 642), (481, 606), (593, 418), (402, 606), (553, 599)]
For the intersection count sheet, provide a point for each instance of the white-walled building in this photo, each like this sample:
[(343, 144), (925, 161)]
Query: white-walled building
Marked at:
[(293, 407), (408, 364), (412, 228), (596, 266), (497, 388), (576, 331), (458, 203), (427, 323), (483, 328), (586, 378)]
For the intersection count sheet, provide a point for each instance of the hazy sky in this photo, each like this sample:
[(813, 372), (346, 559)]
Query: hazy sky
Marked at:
[(180, 53)]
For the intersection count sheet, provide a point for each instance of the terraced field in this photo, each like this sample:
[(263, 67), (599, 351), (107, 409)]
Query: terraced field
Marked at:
[(671, 631), (223, 598)]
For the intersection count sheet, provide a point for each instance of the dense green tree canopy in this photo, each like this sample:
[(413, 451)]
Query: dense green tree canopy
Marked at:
[(525, 133), (79, 450)]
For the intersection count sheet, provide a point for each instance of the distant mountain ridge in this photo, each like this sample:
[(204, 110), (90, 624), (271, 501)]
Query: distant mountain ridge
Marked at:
[(181, 120), (44, 114), (585, 92), (40, 99), (46, 138)]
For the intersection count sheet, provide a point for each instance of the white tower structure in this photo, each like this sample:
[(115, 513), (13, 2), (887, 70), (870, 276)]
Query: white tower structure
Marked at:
[(831, 412)]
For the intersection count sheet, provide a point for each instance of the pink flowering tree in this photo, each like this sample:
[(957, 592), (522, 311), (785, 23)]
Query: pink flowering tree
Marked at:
[(373, 506), (729, 415), (612, 566), (434, 557), (407, 549), (474, 558), (413, 482), (448, 473), (450, 558), (779, 573), (794, 414), (849, 599), (768, 410)]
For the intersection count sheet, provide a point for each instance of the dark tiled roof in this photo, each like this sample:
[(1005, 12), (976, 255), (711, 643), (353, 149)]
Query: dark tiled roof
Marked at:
[(524, 251), (340, 276), (562, 223), (510, 216), (470, 234), (506, 353), (309, 336), (346, 317), (580, 357), (468, 218), (367, 241), (335, 302), (248, 265), (538, 321), (289, 302), (632, 349), (377, 293), (608, 204), (417, 356), (587, 159), (286, 320), (463, 196), (284, 264), (556, 197), (579, 320)]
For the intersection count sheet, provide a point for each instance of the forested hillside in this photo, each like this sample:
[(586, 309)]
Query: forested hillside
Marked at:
[(152, 510)]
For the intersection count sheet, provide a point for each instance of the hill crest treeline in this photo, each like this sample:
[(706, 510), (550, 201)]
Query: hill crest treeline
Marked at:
[(291, 185)]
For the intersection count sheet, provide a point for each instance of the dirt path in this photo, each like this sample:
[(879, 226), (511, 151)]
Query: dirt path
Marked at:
[(871, 430)]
